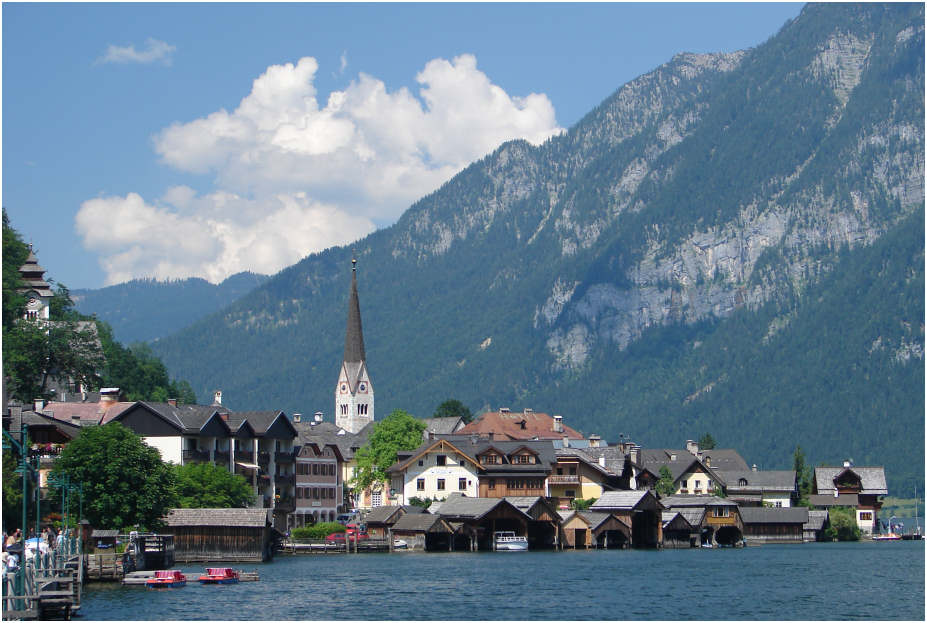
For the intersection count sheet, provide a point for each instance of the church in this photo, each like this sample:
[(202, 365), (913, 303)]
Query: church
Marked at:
[(354, 392)]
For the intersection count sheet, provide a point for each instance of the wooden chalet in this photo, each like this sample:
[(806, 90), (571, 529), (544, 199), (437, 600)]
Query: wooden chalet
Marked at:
[(423, 532), (640, 512), (860, 488), (220, 534), (475, 520), (773, 525)]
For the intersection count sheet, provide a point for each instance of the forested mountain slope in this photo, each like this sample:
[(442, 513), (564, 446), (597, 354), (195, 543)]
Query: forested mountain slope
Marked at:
[(727, 245), (145, 309)]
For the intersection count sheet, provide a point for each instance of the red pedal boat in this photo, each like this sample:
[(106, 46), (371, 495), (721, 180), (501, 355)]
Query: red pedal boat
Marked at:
[(167, 579), (219, 575)]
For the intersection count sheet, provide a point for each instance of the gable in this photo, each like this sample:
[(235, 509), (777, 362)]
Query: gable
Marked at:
[(215, 427), (146, 422), (282, 428)]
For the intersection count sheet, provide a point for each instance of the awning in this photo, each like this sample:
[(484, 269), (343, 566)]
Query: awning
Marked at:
[(246, 465)]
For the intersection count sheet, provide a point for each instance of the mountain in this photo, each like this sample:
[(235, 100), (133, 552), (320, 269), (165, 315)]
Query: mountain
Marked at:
[(145, 309), (731, 243)]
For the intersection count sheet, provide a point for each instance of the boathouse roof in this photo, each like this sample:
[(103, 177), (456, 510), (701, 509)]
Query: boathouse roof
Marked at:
[(621, 500), (421, 522), (759, 514), (231, 517)]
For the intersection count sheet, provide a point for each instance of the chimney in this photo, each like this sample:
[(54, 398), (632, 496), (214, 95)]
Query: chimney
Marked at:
[(594, 440), (83, 396), (297, 418), (39, 404), (474, 439), (634, 453), (566, 441), (847, 463), (558, 423), (754, 467), (172, 402), (217, 397), (491, 436), (109, 394), (692, 447), (602, 461), (318, 417)]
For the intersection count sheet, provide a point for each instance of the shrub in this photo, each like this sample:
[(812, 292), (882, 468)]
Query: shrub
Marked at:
[(842, 524), (318, 531)]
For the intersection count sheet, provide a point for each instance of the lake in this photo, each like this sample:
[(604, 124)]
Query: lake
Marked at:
[(865, 580)]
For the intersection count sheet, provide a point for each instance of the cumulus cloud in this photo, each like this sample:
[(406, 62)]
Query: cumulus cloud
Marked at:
[(157, 51), (307, 174)]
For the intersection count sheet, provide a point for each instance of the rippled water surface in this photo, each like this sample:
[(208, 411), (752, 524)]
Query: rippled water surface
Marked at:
[(777, 582)]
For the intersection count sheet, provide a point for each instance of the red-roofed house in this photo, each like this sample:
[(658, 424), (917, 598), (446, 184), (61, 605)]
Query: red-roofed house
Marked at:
[(528, 424)]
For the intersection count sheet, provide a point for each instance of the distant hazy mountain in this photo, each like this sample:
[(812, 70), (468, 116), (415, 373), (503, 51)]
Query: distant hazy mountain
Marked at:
[(146, 309), (732, 243)]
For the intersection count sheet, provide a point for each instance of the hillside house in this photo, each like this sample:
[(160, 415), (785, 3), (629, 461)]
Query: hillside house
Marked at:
[(433, 471), (774, 488), (860, 488)]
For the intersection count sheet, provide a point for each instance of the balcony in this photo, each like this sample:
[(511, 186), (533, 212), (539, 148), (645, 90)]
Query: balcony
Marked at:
[(245, 456), (221, 457), (263, 458), (284, 456), (285, 479), (560, 479), (285, 504), (195, 456)]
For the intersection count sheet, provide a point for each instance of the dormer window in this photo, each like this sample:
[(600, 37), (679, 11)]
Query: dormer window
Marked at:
[(522, 424), (742, 482), (522, 459), (441, 459)]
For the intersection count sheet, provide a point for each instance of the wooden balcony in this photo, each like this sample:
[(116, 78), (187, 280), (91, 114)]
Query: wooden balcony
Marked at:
[(563, 479), (195, 456), (285, 456)]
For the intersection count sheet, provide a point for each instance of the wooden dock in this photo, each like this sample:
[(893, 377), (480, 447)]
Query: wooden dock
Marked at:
[(46, 586), (321, 546)]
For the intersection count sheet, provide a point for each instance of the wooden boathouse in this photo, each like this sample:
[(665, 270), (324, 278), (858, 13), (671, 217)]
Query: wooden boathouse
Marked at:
[(220, 534)]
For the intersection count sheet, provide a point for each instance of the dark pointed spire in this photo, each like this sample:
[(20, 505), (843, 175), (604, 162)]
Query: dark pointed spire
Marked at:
[(354, 336)]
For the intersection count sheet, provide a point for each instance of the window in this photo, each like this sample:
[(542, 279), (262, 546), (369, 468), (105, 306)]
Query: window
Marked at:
[(344, 409), (684, 485), (315, 493), (708, 484), (440, 484), (492, 483), (572, 471), (570, 493), (522, 459), (362, 409), (420, 484), (489, 459), (376, 498), (742, 482), (441, 459), (560, 471), (698, 484), (723, 511), (778, 503), (315, 469), (421, 462), (866, 515), (462, 484)]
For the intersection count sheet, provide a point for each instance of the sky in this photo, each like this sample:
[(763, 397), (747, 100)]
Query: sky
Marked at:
[(201, 140)]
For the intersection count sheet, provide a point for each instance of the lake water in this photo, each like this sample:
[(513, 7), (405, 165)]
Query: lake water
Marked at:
[(830, 581)]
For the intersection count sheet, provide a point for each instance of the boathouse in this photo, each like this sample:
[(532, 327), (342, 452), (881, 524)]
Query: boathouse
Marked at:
[(474, 520), (717, 520), (424, 531), (382, 518), (773, 525), (678, 532), (640, 513), (589, 529), (220, 534)]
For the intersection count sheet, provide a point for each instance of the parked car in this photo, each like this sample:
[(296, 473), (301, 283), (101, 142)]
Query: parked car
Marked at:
[(346, 518)]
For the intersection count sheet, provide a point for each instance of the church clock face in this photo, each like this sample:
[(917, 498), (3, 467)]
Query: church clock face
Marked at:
[(344, 388), (362, 387)]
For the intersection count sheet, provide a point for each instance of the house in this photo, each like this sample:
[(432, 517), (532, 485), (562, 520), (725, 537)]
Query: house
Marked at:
[(322, 432), (590, 529), (380, 520), (691, 475), (860, 488), (678, 531), (220, 534), (423, 531), (773, 525), (582, 473), (433, 471), (528, 424), (319, 490), (813, 530), (717, 519), (437, 426), (640, 514), (775, 488), (513, 468)]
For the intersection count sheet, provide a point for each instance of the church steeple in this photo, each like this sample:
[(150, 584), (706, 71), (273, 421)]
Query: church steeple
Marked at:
[(354, 392)]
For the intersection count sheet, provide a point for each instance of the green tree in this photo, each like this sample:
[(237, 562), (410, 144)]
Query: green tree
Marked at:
[(422, 502), (397, 431), (205, 485), (580, 504), (12, 491), (454, 408), (15, 253), (802, 476), (665, 486), (706, 442), (124, 480), (842, 524)]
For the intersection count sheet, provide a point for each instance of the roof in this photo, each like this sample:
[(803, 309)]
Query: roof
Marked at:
[(518, 425), (421, 522), (872, 478), (816, 519), (693, 514), (759, 514), (625, 500), (614, 458), (443, 425), (767, 480), (85, 412), (676, 501), (104, 534), (655, 458), (231, 517), (461, 507), (724, 459), (322, 433), (383, 514), (39, 420), (667, 517), (844, 499), (354, 333), (437, 445)]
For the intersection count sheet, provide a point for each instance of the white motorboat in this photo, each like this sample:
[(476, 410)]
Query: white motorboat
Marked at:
[(507, 541)]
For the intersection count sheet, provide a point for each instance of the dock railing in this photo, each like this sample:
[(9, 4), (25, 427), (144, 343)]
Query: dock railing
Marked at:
[(44, 582)]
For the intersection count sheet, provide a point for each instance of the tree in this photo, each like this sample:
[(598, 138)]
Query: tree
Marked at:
[(205, 485), (12, 491), (397, 431), (454, 408), (15, 253), (802, 476), (124, 480), (666, 485), (580, 504), (842, 524), (706, 442)]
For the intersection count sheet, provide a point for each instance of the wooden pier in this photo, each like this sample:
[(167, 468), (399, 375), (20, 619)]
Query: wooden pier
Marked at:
[(45, 586), (321, 546)]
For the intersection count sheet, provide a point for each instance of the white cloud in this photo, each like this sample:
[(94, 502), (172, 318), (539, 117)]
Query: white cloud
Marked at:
[(157, 51), (294, 175)]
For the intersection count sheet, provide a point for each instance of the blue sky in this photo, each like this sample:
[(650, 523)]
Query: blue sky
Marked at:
[(174, 140)]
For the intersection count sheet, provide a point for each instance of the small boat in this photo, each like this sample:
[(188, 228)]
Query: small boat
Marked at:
[(506, 541), (891, 535), (219, 575), (167, 579), (400, 544)]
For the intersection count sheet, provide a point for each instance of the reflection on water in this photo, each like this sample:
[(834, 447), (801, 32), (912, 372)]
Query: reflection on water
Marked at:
[(776, 582)]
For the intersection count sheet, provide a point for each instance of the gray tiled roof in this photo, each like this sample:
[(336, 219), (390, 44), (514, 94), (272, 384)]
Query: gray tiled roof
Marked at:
[(655, 459), (844, 499), (766, 480), (759, 514), (693, 514), (677, 501), (383, 514), (324, 433), (461, 507), (816, 519), (873, 479), (624, 500), (594, 518), (237, 517), (420, 522), (724, 459), (443, 425)]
